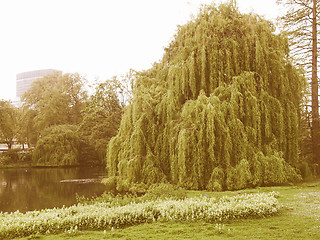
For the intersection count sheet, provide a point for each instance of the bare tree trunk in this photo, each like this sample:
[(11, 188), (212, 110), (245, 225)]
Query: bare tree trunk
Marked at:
[(314, 89)]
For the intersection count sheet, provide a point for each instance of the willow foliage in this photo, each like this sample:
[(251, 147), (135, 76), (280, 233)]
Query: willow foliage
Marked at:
[(220, 111), (62, 145)]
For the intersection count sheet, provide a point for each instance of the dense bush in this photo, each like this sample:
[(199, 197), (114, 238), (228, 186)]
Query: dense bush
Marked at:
[(164, 191), (3, 159), (103, 216), (151, 192), (25, 157), (9, 157), (13, 155)]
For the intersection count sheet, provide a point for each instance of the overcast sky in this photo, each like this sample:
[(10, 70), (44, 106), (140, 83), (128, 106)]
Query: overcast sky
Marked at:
[(97, 38)]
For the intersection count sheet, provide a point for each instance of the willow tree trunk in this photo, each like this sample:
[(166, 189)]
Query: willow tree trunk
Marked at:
[(314, 88)]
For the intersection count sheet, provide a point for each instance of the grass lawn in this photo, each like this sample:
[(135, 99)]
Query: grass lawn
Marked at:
[(298, 219)]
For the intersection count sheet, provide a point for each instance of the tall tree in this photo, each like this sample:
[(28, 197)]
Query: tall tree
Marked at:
[(102, 114), (57, 99), (301, 22), (220, 111)]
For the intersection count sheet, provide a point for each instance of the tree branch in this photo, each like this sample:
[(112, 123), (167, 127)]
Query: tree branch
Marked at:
[(301, 3)]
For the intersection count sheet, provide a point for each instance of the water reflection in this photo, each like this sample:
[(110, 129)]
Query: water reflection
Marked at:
[(38, 188)]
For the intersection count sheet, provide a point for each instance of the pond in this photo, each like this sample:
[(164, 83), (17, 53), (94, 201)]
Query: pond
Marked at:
[(29, 189)]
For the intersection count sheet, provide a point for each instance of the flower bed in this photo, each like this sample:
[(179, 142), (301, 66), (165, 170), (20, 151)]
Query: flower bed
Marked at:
[(100, 216)]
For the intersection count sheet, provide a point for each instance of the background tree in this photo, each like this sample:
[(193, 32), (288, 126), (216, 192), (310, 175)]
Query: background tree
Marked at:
[(62, 145), (57, 99), (52, 113), (123, 86), (301, 22), (8, 123), (27, 132), (103, 112)]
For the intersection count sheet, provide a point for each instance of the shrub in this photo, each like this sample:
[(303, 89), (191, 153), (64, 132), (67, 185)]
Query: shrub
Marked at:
[(216, 181), (25, 157), (3, 159), (244, 174), (110, 183), (9, 157), (110, 199), (164, 191), (139, 189)]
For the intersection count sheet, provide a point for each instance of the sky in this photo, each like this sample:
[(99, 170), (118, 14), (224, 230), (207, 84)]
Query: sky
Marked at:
[(96, 38)]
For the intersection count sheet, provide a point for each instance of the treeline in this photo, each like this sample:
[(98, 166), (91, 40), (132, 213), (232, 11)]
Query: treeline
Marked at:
[(62, 123), (222, 110)]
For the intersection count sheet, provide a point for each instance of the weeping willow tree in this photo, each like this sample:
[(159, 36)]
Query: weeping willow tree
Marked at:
[(62, 145), (219, 112)]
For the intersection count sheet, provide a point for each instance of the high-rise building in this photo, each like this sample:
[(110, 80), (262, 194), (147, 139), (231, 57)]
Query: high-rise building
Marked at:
[(25, 79)]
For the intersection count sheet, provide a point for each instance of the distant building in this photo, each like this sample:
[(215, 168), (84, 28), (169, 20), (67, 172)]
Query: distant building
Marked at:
[(25, 79)]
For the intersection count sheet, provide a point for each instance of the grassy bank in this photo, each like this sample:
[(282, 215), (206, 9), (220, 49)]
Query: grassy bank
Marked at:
[(299, 218)]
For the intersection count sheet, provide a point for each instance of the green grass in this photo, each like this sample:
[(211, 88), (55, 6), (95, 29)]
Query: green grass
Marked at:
[(298, 219)]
